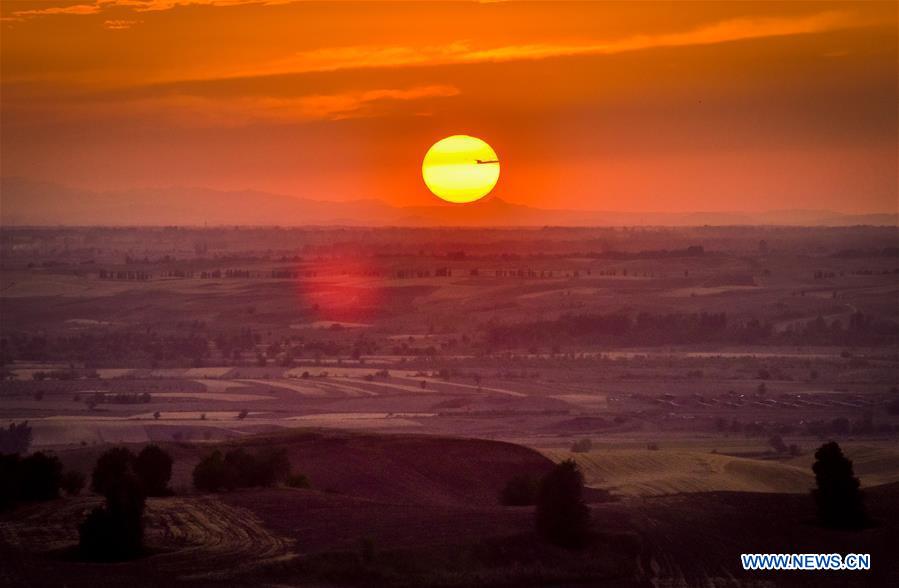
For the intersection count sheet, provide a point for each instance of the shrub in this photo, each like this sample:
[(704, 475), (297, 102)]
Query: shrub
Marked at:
[(39, 477), (521, 490), (153, 467), (297, 481), (777, 444), (274, 467), (837, 495), (562, 518), (72, 482), (211, 474), (15, 438), (36, 477), (241, 469)]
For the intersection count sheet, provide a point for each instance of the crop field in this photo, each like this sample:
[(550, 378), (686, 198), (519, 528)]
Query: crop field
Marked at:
[(688, 367), (190, 538)]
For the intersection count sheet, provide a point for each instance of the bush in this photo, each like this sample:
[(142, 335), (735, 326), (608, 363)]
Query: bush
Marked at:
[(153, 467), (15, 438), (36, 477), (241, 469), (297, 481), (562, 518), (39, 477), (520, 491), (777, 444), (837, 495), (211, 474), (72, 482)]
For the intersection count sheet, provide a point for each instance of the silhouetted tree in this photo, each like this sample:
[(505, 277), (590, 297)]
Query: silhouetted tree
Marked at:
[(36, 477), (274, 467), (115, 531), (562, 517), (837, 495), (72, 482), (211, 474), (16, 438), (297, 481), (241, 469), (39, 477), (153, 467), (111, 466), (520, 490), (9, 479)]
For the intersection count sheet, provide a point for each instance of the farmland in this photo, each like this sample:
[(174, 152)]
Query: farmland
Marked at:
[(410, 373)]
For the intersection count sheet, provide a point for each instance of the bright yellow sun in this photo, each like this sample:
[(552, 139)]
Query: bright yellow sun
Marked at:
[(460, 169)]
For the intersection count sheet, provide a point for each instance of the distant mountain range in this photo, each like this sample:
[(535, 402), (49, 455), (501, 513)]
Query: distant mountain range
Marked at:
[(27, 202)]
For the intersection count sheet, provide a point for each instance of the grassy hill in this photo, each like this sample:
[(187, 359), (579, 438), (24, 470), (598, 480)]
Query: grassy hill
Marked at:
[(640, 472)]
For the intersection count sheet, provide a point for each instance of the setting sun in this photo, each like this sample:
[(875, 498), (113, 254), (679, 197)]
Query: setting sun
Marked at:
[(460, 169)]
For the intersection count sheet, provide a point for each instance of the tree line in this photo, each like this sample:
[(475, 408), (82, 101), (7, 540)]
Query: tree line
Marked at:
[(687, 328)]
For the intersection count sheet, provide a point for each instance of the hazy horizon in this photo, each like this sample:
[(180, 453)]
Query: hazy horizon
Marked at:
[(648, 108), (31, 203)]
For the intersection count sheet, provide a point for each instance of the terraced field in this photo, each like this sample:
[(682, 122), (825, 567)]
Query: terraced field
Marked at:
[(656, 473), (211, 538), (198, 537), (640, 472)]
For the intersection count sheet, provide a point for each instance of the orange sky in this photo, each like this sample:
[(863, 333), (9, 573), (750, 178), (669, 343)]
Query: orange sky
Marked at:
[(605, 106)]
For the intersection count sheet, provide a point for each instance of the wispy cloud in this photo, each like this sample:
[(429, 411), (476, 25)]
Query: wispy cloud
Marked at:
[(119, 24), (137, 5), (53, 10), (353, 57), (191, 110)]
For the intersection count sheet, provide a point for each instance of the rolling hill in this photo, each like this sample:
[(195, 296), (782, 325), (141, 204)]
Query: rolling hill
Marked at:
[(28, 202)]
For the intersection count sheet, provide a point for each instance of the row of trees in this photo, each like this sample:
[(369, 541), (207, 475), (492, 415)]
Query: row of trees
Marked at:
[(37, 477), (114, 530), (122, 346), (684, 328), (238, 468)]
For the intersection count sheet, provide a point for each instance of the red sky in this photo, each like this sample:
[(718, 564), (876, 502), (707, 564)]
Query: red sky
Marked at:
[(606, 106)]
